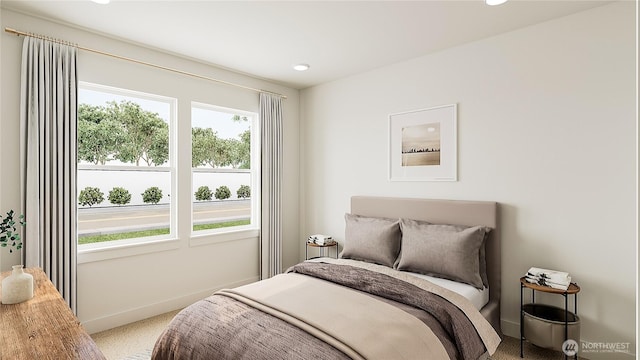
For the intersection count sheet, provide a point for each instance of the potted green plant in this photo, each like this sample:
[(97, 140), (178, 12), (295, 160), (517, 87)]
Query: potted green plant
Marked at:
[(18, 286), (9, 236)]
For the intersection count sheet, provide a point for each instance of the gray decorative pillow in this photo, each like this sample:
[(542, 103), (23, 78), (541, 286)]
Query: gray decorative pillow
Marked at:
[(370, 239), (447, 251), (483, 258)]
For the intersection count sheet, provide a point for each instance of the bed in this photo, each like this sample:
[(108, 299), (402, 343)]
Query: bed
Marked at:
[(416, 279)]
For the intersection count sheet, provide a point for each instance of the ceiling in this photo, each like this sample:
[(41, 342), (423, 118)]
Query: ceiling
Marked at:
[(265, 38)]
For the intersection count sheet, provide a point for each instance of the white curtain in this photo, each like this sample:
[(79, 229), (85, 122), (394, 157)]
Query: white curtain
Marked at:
[(48, 127), (271, 189)]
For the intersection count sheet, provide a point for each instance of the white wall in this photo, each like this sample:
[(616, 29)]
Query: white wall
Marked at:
[(124, 289), (546, 127)]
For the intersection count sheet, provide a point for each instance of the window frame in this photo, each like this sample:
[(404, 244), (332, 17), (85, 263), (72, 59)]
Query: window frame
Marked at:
[(212, 236), (127, 247)]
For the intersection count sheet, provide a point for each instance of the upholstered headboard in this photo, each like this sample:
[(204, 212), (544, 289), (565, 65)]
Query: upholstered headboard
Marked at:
[(454, 212)]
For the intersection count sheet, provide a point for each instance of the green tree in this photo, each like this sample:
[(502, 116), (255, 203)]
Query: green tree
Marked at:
[(146, 134), (223, 192), (90, 196), (210, 150), (98, 134), (159, 150), (152, 195), (119, 196), (233, 153), (244, 150), (244, 192), (203, 144), (203, 193), (238, 118), (223, 152), (241, 151)]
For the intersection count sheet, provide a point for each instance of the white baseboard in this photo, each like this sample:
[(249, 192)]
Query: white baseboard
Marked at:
[(510, 328), (140, 313)]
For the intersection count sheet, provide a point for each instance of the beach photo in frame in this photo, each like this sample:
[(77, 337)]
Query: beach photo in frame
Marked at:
[(422, 144)]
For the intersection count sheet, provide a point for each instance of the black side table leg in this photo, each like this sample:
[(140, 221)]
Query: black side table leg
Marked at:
[(566, 320), (575, 311)]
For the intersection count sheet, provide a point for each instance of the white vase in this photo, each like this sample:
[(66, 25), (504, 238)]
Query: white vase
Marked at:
[(17, 287)]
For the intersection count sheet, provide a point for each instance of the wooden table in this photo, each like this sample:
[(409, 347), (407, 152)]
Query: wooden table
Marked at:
[(43, 327)]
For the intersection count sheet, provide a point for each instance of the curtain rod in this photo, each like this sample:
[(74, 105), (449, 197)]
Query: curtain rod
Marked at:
[(22, 33)]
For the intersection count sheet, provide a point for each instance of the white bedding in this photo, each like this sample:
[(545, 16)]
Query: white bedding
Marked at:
[(478, 298)]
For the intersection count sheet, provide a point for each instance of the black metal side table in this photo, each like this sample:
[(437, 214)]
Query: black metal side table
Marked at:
[(572, 289), (322, 249)]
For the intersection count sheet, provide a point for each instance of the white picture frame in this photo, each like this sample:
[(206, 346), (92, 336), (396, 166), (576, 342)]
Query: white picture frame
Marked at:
[(423, 144)]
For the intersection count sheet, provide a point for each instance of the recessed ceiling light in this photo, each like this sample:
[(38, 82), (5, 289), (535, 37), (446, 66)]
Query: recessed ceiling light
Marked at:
[(102, 2), (301, 67), (495, 2)]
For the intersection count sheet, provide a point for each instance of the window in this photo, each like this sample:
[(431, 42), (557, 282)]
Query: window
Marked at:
[(225, 169), (126, 169)]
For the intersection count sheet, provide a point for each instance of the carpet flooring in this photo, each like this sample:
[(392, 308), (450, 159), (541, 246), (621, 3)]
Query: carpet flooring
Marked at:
[(135, 342), (132, 341)]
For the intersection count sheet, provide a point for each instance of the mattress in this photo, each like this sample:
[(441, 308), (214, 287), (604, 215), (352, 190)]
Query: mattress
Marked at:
[(479, 298)]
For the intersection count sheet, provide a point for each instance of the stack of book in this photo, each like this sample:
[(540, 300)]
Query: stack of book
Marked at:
[(551, 278), (321, 239)]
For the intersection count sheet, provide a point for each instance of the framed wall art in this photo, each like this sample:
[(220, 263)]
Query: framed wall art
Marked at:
[(422, 144)]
